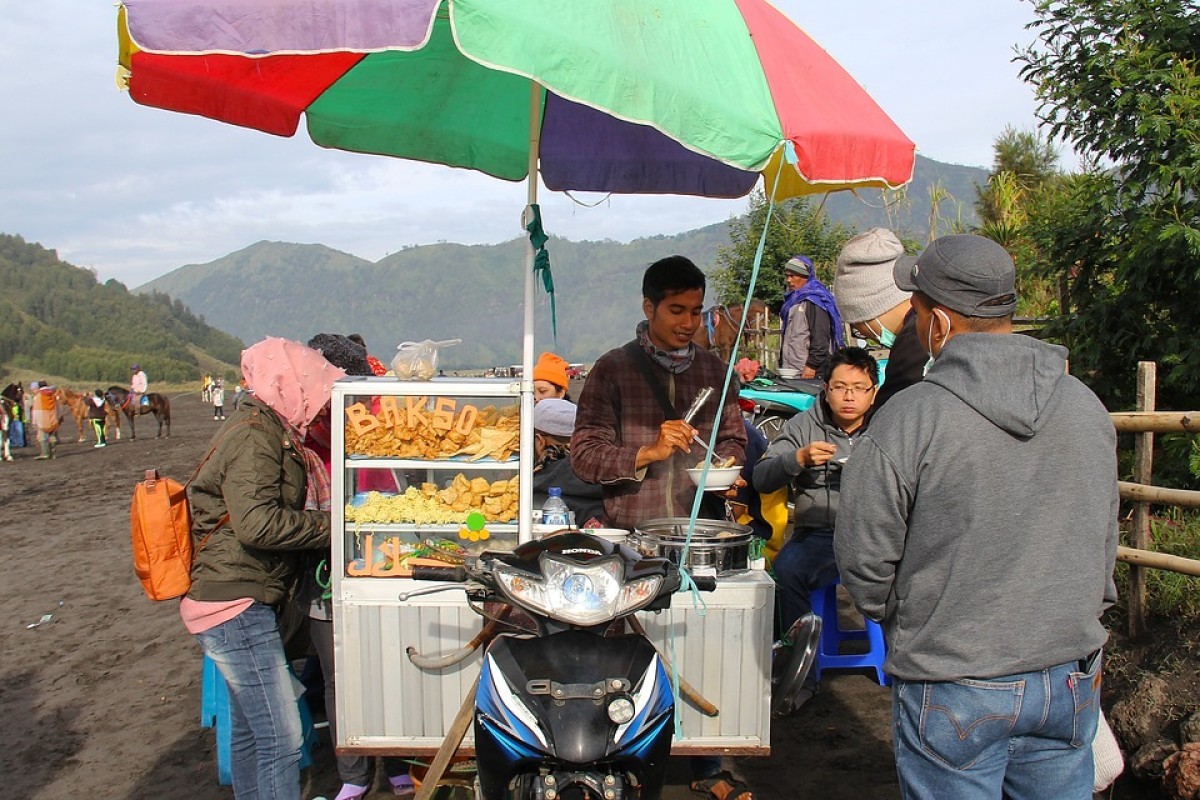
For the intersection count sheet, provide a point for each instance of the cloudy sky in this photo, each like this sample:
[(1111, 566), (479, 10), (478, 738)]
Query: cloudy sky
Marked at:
[(133, 192)]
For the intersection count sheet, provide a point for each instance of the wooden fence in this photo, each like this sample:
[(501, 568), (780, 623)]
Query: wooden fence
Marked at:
[(1145, 422)]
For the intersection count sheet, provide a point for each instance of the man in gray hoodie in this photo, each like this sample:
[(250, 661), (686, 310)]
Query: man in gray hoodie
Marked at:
[(979, 525)]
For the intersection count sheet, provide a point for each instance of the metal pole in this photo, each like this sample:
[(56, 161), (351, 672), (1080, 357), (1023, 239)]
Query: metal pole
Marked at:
[(525, 468)]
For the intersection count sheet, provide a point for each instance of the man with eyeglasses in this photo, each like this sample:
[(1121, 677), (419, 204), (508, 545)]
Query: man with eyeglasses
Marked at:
[(982, 535), (809, 454)]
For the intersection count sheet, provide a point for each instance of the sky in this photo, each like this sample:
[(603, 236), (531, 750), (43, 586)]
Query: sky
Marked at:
[(134, 192)]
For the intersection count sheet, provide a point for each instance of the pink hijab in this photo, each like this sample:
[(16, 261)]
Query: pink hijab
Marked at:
[(295, 381)]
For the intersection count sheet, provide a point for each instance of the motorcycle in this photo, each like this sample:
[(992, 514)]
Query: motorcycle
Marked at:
[(579, 705), (770, 400)]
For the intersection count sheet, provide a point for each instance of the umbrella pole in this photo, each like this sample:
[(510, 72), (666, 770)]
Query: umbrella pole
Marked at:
[(525, 467)]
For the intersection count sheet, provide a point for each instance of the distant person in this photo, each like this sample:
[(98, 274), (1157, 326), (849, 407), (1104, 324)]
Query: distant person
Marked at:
[(553, 424), (808, 454), (983, 536), (97, 414), (217, 392), (239, 394), (877, 309), (377, 366), (260, 503), (138, 384), (46, 419), (550, 378), (811, 329)]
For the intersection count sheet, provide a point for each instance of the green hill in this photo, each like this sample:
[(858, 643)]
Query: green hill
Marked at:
[(56, 320), (446, 291)]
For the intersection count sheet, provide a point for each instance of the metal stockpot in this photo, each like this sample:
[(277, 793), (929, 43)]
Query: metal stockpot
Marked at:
[(717, 546)]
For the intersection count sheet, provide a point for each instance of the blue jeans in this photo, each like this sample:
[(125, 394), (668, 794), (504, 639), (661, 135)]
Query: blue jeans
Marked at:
[(1027, 736), (804, 564), (265, 733)]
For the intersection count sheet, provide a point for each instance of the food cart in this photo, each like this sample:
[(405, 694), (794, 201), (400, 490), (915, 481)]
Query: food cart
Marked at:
[(450, 447)]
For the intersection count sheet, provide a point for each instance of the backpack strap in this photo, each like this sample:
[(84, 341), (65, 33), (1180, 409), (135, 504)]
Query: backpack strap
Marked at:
[(646, 367)]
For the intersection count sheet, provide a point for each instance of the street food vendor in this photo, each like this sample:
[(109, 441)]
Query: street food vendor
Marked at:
[(629, 436)]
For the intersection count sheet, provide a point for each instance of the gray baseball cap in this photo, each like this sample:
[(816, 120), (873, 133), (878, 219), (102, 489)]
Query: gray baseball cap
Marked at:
[(964, 272)]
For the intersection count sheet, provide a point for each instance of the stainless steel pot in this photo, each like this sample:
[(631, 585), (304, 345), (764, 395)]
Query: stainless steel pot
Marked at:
[(718, 547)]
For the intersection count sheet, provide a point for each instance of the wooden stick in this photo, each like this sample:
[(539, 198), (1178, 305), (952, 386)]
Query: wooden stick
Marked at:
[(1156, 421), (1143, 460), (1159, 494), (1146, 558), (454, 737)]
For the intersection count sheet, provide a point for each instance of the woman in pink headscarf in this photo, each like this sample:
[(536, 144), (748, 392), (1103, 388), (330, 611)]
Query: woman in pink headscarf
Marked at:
[(259, 502)]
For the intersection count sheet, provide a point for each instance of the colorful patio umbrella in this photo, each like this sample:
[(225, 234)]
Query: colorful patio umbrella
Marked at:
[(692, 97), (674, 96)]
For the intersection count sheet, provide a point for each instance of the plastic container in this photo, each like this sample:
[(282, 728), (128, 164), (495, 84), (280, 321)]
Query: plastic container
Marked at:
[(555, 511)]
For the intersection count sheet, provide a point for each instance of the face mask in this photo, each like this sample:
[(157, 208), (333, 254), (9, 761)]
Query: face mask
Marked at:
[(929, 337), (885, 337)]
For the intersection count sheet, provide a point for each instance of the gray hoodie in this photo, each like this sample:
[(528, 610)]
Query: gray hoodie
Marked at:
[(816, 488), (979, 514)]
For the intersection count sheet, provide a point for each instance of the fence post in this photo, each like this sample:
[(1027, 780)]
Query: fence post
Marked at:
[(1143, 461)]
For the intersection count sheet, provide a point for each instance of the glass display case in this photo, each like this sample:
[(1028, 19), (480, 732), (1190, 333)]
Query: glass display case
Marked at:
[(423, 472)]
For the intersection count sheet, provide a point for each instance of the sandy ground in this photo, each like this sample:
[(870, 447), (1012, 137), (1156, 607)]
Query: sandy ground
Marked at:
[(103, 701)]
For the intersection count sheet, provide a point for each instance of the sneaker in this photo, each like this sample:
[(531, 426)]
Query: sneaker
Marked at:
[(100, 444)]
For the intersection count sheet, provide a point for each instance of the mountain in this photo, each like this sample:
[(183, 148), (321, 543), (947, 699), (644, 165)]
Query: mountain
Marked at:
[(56, 320), (474, 292)]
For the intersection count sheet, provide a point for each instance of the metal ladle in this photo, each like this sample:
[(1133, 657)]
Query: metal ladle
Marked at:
[(701, 398)]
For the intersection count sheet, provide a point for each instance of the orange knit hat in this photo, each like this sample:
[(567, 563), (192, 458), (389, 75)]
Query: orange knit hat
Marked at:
[(551, 368)]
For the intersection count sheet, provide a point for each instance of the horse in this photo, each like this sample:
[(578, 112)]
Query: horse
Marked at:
[(718, 331), (12, 403), (80, 404), (7, 414), (158, 404)]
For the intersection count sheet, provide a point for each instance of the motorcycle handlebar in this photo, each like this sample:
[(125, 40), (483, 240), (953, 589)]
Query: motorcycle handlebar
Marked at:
[(451, 574)]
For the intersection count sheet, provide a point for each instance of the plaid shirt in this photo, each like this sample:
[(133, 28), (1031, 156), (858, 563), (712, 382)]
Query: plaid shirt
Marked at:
[(618, 414)]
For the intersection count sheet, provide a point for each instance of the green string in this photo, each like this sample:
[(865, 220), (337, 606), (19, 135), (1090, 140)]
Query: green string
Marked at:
[(541, 262)]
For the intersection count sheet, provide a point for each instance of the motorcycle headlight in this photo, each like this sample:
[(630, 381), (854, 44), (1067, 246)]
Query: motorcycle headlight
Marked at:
[(578, 594)]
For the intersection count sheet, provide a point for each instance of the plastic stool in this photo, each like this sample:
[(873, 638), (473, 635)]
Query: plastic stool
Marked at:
[(215, 713), (829, 654)]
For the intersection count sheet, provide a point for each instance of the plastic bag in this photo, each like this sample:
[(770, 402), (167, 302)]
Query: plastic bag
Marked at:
[(418, 361)]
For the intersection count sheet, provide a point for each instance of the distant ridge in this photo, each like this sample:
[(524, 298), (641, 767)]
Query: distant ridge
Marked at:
[(473, 292), (57, 321)]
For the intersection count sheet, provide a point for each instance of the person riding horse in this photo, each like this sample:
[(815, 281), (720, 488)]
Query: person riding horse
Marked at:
[(138, 384)]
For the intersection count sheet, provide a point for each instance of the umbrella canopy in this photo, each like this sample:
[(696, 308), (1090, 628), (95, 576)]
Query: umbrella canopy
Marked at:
[(677, 96)]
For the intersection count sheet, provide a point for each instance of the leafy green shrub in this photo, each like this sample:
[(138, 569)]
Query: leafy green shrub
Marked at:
[(1169, 594)]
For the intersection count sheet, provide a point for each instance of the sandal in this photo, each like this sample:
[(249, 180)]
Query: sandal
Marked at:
[(722, 786), (402, 786)]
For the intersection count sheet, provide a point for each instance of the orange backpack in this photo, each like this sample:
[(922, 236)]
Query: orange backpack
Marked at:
[(161, 523), (161, 528)]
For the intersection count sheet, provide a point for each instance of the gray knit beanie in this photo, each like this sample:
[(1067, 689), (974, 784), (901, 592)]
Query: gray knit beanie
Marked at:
[(863, 285), (342, 353)]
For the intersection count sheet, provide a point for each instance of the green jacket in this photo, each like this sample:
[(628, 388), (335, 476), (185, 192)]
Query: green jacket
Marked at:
[(257, 477)]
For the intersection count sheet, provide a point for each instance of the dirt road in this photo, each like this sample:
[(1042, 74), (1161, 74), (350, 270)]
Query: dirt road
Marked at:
[(102, 701)]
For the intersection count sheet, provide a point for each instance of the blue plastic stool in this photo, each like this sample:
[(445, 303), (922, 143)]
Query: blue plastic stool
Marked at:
[(829, 653), (215, 713)]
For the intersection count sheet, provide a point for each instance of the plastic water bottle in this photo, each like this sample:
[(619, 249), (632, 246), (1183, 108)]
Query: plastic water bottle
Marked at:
[(555, 512)]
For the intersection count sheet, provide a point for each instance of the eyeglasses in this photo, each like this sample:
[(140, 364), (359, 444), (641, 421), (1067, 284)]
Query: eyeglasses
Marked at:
[(843, 389)]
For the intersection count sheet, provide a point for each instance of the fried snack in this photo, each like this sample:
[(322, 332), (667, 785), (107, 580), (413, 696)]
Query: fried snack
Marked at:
[(497, 501)]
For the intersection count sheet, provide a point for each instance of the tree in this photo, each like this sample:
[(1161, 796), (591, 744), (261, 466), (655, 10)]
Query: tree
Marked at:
[(1024, 166), (1026, 160), (797, 227), (1118, 80)]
